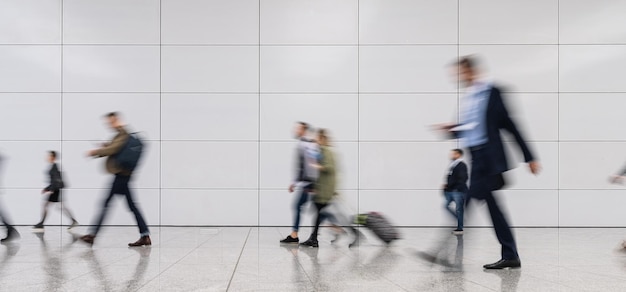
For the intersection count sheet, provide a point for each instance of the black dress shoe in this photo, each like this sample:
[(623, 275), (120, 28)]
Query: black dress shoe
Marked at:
[(290, 240), (311, 243), (503, 264)]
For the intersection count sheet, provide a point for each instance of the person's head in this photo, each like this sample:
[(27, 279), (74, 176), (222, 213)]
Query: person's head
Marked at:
[(301, 129), (456, 154), (322, 137), (113, 120), (52, 156), (466, 70)]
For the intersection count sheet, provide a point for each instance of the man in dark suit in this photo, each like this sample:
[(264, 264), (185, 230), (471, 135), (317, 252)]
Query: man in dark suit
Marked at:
[(456, 188), (484, 115)]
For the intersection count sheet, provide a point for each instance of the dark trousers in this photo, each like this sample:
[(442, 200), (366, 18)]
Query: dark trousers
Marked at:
[(319, 217), (482, 184), (120, 187), (303, 198)]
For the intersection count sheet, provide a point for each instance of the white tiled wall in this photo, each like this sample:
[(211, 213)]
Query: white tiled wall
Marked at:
[(215, 86)]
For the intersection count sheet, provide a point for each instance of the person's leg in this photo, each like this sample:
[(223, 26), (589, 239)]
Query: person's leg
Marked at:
[(459, 201), (44, 213), (300, 201), (115, 189), (449, 199), (502, 229), (318, 220), (141, 223)]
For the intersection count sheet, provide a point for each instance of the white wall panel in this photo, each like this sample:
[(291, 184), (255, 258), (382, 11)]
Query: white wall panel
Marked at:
[(587, 165), (403, 165), (227, 165), (30, 68), (600, 23), (111, 21), (210, 69), (30, 22), (530, 208), (336, 112), (210, 22), (111, 68), (210, 116), (592, 68), (591, 116), (209, 207), (507, 22), (591, 208), (309, 69), (408, 22), (30, 116), (402, 117), (309, 22), (406, 68)]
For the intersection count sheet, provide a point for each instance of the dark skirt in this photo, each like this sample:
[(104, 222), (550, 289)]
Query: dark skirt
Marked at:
[(55, 196)]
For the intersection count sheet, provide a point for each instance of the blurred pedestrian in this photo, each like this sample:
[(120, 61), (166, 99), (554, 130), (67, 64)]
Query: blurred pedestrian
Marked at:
[(122, 156), (306, 174), (53, 190)]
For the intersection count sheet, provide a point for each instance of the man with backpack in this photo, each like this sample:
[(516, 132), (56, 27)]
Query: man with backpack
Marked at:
[(123, 153)]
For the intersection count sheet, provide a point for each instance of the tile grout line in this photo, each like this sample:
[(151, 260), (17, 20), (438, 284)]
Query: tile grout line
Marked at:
[(230, 281), (258, 205), (61, 115)]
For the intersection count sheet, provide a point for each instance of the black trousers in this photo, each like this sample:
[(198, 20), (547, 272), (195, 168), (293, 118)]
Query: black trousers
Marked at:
[(482, 184), (319, 217), (120, 187)]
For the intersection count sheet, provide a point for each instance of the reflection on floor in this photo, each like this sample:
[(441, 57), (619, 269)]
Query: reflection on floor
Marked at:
[(251, 259)]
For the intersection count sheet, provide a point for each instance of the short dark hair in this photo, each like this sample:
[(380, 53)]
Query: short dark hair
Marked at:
[(304, 125), (459, 151), (53, 154), (111, 115), (468, 62)]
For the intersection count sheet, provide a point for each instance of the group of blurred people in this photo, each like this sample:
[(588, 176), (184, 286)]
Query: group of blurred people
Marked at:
[(315, 181), (482, 117), (122, 176)]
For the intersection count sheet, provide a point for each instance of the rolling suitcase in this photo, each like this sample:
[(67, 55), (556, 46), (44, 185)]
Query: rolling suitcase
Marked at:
[(379, 225)]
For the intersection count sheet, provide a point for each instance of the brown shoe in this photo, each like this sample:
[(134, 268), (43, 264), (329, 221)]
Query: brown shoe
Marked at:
[(144, 240), (88, 239)]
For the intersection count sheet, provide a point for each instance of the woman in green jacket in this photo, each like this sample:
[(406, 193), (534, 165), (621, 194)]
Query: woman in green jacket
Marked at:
[(325, 186)]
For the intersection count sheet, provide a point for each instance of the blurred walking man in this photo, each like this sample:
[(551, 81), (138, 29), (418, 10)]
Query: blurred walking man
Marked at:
[(482, 118), (306, 174), (117, 153)]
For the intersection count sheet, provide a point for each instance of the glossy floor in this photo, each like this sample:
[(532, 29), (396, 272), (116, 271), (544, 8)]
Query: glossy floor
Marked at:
[(250, 259)]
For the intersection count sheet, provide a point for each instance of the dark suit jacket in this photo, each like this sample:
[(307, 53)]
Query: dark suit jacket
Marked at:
[(56, 181), (498, 119), (457, 178)]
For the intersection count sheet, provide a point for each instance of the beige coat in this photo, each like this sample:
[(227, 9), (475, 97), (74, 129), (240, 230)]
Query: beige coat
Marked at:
[(112, 148), (326, 184)]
